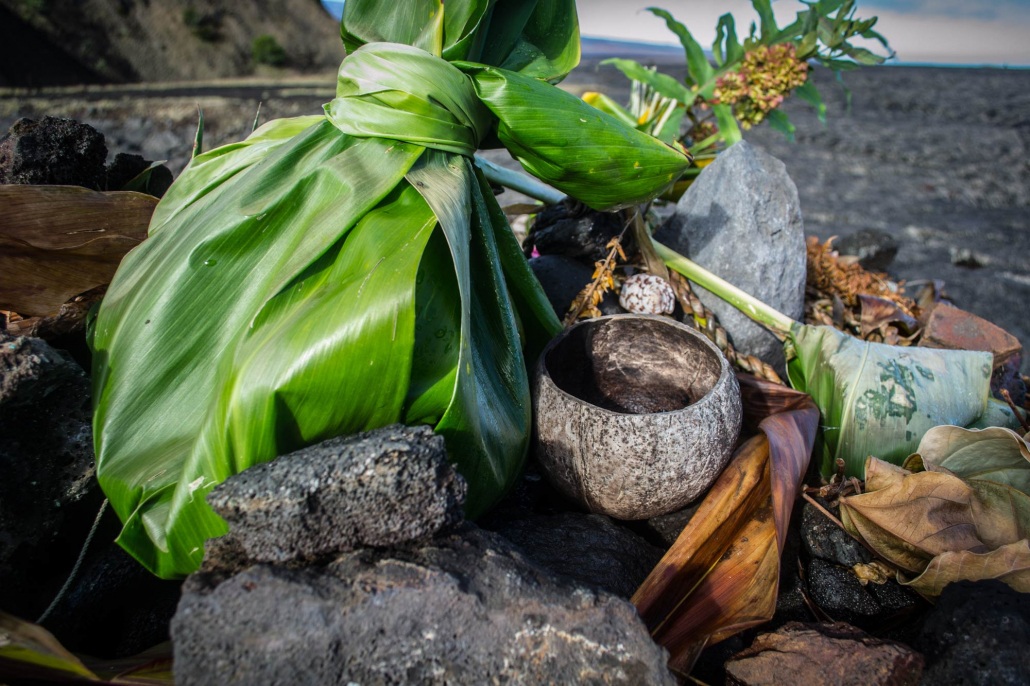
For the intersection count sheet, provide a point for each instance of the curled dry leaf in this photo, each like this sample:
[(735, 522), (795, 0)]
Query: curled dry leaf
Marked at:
[(30, 652), (59, 241), (721, 576), (992, 454), (940, 528)]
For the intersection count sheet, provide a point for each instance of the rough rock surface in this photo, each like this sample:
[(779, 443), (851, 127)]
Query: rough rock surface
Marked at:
[(562, 279), (839, 593), (741, 220), (977, 635), (590, 548), (53, 151), (48, 493), (575, 230), (824, 540), (833, 585), (378, 488), (824, 654), (465, 609)]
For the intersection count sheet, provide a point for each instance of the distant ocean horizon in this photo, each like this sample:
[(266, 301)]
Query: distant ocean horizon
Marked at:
[(595, 46)]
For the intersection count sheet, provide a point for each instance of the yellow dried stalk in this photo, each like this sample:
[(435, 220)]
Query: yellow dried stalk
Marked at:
[(585, 305)]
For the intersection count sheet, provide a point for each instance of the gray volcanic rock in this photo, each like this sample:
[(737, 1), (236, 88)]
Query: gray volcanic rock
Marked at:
[(48, 489), (465, 609), (977, 634), (589, 548), (53, 151), (379, 488), (741, 220)]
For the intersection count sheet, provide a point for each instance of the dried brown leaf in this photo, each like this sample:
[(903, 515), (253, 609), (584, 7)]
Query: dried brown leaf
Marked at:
[(721, 575), (1008, 563), (59, 241), (921, 522), (28, 651)]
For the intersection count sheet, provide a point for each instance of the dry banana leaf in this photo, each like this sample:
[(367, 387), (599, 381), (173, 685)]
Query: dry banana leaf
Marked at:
[(938, 528), (59, 241), (721, 575), (30, 652), (993, 454)]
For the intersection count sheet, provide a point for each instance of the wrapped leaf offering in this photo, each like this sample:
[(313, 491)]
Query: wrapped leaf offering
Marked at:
[(336, 273), (873, 398)]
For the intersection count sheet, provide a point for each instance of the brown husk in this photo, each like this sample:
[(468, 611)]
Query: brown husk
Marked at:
[(721, 576)]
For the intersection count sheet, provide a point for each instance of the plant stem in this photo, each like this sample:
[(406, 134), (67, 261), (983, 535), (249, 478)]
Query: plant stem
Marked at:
[(748, 304), (517, 181)]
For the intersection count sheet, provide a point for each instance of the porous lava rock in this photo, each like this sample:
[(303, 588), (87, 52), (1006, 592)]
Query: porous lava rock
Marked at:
[(466, 608)]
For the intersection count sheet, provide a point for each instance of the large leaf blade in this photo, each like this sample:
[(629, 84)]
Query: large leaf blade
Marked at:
[(239, 226), (486, 424)]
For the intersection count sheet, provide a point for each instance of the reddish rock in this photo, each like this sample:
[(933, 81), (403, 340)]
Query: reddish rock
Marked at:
[(824, 654), (947, 326)]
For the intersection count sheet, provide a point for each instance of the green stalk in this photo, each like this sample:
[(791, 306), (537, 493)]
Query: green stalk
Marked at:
[(517, 181), (772, 319)]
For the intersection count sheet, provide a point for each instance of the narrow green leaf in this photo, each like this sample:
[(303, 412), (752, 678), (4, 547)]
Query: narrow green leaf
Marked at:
[(873, 35), (810, 94), (729, 130), (661, 83), (198, 138), (699, 70), (727, 49), (808, 45), (154, 178), (781, 122), (766, 17), (608, 106), (670, 130), (863, 56)]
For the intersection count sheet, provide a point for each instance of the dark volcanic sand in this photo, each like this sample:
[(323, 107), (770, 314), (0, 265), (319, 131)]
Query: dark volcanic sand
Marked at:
[(936, 157)]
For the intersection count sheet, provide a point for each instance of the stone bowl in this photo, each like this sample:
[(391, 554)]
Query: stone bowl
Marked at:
[(634, 415)]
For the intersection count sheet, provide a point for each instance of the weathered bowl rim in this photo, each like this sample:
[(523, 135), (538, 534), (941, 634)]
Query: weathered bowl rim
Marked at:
[(709, 397)]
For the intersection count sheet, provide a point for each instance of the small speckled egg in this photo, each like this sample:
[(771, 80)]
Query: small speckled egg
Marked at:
[(647, 294)]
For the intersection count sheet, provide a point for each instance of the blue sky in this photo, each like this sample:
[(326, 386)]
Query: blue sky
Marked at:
[(971, 32)]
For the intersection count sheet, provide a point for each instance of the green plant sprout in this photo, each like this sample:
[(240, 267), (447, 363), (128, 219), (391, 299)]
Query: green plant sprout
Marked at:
[(748, 81)]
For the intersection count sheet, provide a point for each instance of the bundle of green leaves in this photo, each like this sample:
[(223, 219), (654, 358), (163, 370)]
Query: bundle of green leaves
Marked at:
[(340, 272)]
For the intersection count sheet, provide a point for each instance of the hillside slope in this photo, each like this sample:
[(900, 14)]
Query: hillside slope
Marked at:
[(53, 42)]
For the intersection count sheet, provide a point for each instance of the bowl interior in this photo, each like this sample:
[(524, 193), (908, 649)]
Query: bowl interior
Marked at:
[(633, 365)]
